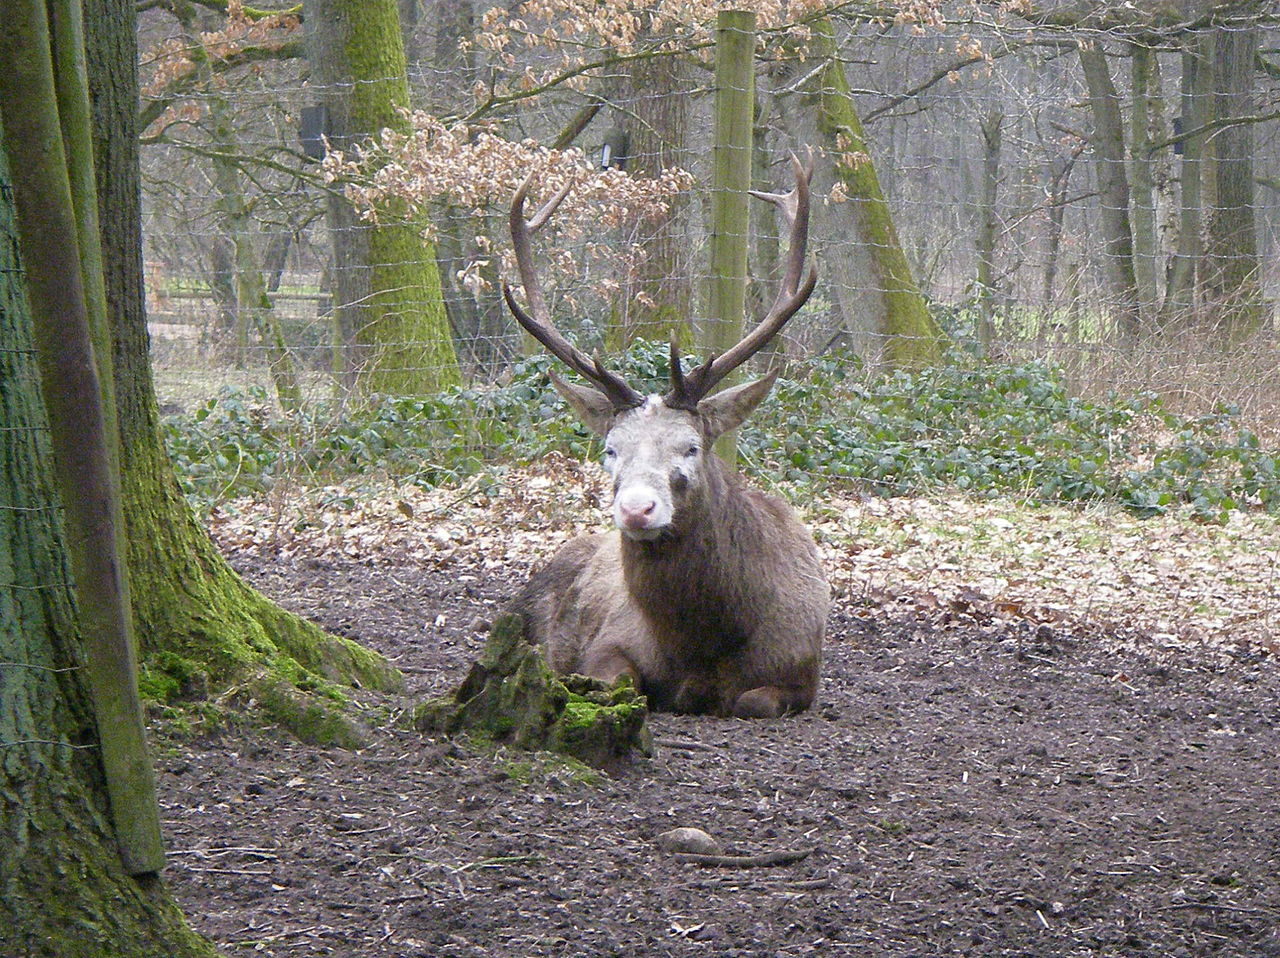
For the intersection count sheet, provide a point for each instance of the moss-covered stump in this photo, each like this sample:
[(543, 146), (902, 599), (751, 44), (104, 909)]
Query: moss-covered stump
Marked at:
[(511, 696)]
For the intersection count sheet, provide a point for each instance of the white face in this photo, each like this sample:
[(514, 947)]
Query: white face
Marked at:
[(658, 455), (655, 456)]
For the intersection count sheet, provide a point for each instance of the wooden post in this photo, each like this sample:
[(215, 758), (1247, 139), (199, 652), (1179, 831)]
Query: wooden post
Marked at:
[(730, 181)]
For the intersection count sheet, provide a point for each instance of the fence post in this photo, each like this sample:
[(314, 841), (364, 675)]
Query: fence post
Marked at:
[(730, 180)]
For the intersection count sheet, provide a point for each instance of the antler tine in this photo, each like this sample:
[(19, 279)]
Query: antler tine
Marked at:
[(539, 324), (791, 295), (788, 205)]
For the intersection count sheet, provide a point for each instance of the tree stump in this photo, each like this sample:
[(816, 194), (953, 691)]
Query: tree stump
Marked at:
[(512, 696)]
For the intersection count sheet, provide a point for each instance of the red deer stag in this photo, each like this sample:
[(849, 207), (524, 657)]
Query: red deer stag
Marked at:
[(709, 595)]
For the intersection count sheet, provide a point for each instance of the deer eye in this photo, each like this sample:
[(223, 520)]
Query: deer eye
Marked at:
[(692, 451), (610, 452)]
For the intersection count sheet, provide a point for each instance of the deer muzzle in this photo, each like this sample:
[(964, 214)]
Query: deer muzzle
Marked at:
[(640, 512)]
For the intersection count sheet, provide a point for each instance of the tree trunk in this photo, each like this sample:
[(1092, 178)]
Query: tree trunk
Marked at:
[(44, 102), (763, 274), (1059, 177), (1145, 241), (478, 317), (64, 892), (985, 281), (1233, 281), (391, 308), (252, 304), (1113, 190), (658, 300), (732, 138), (907, 336), (1184, 268), (199, 626)]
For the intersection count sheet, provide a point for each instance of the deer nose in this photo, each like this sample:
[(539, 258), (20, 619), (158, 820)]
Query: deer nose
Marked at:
[(634, 512)]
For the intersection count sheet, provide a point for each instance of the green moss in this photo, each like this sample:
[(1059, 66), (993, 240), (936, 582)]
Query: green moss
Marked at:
[(64, 894), (310, 717), (167, 676), (521, 772), (912, 337), (205, 634), (512, 697), (406, 334)]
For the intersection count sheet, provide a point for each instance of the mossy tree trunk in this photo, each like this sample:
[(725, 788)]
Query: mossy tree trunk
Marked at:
[(200, 627), (391, 306), (907, 335), (44, 103), (732, 139), (64, 890)]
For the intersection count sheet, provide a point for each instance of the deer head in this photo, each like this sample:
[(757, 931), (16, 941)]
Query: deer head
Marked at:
[(658, 448)]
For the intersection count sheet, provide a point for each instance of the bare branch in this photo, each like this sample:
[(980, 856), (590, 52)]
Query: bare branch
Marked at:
[(687, 390), (537, 322)]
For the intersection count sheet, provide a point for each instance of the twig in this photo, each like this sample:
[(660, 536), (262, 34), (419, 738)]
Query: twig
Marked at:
[(296, 932), (1212, 906), (684, 744), (763, 860), (497, 862)]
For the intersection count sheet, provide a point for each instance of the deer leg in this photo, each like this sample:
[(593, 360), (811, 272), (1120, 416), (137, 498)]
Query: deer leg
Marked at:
[(608, 666), (765, 701), (697, 694), (772, 701)]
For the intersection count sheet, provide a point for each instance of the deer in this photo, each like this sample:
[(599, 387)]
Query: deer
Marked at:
[(708, 595)]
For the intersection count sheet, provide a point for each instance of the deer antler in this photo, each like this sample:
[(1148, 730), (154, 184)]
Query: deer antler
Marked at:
[(688, 388), (539, 324)]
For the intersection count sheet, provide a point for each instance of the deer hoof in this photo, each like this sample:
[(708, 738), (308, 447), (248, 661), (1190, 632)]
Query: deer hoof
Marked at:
[(763, 702), (696, 696)]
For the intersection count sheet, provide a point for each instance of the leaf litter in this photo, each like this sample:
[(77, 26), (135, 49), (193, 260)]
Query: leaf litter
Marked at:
[(1001, 762)]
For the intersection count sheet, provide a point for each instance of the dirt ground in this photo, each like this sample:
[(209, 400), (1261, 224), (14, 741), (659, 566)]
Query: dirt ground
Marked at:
[(965, 787)]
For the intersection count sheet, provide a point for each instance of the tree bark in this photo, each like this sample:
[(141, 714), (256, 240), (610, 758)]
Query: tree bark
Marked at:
[(905, 335), (1145, 241), (732, 140), (1184, 268), (390, 305), (199, 626), (658, 300), (988, 195), (41, 77), (64, 892), (1059, 180), (1113, 189), (1233, 282)]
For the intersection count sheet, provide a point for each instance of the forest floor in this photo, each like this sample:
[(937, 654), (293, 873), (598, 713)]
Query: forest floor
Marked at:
[(989, 770)]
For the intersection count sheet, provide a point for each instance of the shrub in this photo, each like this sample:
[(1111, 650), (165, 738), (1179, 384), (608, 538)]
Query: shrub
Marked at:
[(985, 428)]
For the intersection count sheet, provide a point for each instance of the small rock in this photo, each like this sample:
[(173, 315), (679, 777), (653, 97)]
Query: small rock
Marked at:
[(479, 625), (693, 841)]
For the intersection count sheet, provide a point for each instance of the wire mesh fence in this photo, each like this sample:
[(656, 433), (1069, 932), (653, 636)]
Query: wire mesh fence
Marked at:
[(1047, 250)]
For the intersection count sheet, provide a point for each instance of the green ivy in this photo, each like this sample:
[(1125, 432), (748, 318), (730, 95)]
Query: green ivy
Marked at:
[(985, 428)]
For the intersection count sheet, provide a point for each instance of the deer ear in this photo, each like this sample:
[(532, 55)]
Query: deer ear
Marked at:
[(593, 407), (730, 408)]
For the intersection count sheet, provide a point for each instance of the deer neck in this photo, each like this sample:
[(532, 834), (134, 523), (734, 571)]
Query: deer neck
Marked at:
[(698, 568)]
